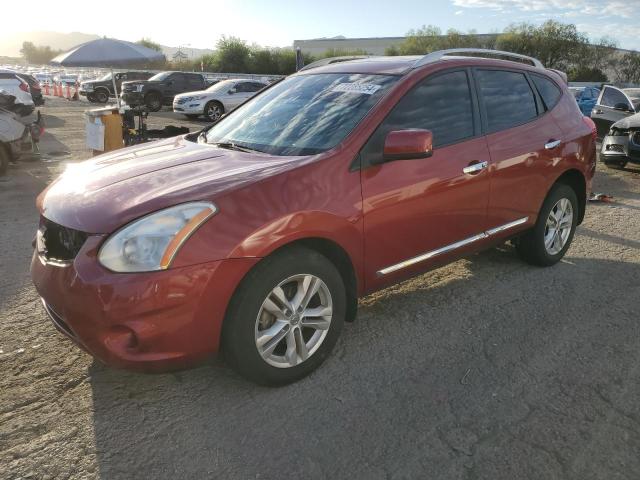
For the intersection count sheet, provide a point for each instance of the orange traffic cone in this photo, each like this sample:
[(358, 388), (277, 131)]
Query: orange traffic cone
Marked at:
[(57, 87), (68, 92), (46, 89)]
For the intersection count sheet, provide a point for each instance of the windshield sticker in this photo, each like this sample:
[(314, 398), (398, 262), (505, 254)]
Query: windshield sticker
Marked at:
[(362, 88)]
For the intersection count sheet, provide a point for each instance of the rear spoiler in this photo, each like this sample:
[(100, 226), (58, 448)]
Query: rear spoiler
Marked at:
[(561, 74)]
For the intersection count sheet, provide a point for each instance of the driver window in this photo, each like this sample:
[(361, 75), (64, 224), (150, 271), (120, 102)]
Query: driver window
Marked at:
[(441, 104)]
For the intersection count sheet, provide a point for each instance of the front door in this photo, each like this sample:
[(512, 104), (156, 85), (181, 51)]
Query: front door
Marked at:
[(420, 211), (612, 105)]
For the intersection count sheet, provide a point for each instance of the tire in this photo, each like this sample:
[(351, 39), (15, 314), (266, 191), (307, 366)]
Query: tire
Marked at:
[(191, 116), (153, 101), (532, 247), (4, 160), (213, 111), (101, 96), (91, 98), (249, 313)]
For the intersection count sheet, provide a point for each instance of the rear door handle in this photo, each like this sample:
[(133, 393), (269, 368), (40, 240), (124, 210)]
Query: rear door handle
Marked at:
[(474, 168), (551, 144)]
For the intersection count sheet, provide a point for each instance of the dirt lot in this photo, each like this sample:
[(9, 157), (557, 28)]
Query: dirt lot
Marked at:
[(484, 369)]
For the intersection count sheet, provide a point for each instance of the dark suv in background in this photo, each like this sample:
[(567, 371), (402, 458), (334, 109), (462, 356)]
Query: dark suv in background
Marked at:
[(101, 89), (160, 89)]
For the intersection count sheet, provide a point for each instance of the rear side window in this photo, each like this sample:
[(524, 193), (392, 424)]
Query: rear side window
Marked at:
[(549, 91), (508, 98), (612, 97), (441, 104)]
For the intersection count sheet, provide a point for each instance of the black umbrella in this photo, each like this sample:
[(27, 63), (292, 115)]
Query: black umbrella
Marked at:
[(107, 52)]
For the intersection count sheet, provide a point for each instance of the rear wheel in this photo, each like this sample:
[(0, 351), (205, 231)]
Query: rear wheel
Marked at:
[(285, 317), (153, 101), (548, 241)]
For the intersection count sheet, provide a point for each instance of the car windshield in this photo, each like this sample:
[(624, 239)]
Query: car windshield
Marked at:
[(220, 86), (302, 115), (160, 76), (105, 77)]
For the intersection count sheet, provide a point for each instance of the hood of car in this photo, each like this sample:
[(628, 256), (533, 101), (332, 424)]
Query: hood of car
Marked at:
[(105, 193), (632, 121)]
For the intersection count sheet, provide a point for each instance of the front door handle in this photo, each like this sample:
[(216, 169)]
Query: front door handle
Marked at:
[(551, 144), (474, 168)]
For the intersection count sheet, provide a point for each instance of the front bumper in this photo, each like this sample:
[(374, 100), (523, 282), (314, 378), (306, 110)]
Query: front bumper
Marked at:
[(154, 321), (621, 148), (133, 98)]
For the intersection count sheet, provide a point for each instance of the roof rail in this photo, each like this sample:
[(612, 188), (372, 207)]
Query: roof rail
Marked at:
[(435, 56), (328, 61)]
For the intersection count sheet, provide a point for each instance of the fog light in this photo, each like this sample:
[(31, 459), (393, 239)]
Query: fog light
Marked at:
[(121, 338)]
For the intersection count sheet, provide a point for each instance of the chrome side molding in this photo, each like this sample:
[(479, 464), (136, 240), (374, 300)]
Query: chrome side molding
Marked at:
[(452, 246)]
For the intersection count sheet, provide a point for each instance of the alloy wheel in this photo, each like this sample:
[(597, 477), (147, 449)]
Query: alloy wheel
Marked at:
[(293, 321), (558, 226), (214, 112)]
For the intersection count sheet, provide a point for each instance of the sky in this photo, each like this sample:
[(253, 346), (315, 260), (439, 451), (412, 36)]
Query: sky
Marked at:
[(279, 22)]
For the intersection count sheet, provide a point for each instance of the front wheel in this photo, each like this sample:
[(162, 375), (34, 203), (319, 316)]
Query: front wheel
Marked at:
[(550, 238), (101, 96), (285, 317), (213, 111), (153, 102)]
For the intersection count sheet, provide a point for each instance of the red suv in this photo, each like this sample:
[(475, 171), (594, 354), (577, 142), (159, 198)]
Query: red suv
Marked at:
[(256, 236)]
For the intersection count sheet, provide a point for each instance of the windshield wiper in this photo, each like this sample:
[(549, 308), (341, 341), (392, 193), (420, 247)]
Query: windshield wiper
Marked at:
[(235, 146)]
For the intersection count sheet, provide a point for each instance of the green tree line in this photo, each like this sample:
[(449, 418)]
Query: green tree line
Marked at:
[(557, 45)]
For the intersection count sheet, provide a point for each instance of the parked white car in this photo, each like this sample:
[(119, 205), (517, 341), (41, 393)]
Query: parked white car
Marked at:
[(19, 89), (216, 100)]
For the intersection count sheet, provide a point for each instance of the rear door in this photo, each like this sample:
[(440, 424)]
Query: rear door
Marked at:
[(612, 105), (421, 211), (523, 141)]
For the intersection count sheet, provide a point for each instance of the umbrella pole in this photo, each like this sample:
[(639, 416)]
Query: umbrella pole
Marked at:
[(115, 88)]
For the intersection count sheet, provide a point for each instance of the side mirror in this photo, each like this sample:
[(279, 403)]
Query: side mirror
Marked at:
[(408, 145), (621, 106)]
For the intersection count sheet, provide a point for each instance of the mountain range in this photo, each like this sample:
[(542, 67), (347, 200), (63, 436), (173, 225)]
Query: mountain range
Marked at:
[(10, 44)]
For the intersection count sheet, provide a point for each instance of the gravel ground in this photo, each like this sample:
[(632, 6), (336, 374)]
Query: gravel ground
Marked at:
[(484, 369)]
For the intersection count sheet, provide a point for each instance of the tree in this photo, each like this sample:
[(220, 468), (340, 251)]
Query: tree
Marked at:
[(232, 55), (556, 45), (146, 42), (38, 54)]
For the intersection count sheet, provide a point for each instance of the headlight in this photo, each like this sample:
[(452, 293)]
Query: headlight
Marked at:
[(150, 243), (87, 87)]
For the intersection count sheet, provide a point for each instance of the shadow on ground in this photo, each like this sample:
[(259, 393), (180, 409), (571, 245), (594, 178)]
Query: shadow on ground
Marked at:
[(450, 375)]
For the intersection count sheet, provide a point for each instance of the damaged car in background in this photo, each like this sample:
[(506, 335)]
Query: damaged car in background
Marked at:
[(622, 143)]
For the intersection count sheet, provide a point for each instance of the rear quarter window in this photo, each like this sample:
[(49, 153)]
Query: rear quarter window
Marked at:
[(507, 97), (549, 91)]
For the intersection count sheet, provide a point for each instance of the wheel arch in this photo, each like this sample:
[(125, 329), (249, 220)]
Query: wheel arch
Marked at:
[(575, 179), (340, 259)]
